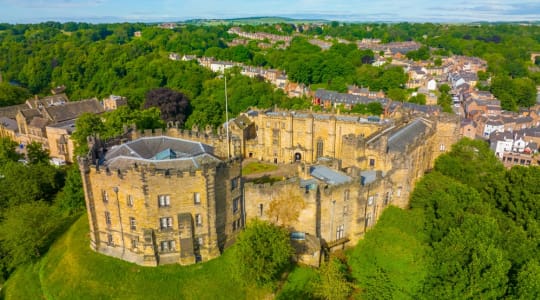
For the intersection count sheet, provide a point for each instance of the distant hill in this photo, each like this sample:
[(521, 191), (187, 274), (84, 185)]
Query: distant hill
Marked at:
[(253, 21)]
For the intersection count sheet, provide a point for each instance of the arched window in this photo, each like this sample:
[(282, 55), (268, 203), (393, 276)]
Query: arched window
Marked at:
[(320, 148)]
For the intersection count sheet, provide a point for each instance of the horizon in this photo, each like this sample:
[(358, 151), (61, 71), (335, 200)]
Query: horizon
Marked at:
[(414, 11)]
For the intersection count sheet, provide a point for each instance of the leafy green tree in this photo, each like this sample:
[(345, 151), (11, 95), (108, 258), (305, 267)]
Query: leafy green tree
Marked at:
[(397, 94), (36, 154), (528, 285), (7, 150), (26, 183), (12, 95), (332, 283), (418, 99), (393, 260), (71, 199), (262, 252), (26, 231), (468, 262), (86, 125), (524, 91)]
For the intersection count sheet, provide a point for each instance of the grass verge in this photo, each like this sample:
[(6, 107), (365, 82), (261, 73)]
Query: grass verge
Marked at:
[(258, 167)]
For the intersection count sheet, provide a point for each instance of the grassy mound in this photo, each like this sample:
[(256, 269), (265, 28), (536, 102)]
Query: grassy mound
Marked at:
[(71, 270)]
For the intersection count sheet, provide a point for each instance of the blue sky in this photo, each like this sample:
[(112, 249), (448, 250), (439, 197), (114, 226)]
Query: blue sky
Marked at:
[(25, 11)]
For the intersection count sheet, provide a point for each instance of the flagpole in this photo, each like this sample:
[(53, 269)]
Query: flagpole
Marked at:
[(227, 116)]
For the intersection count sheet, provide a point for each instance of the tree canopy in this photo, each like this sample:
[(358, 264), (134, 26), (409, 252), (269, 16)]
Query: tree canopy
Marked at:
[(262, 252)]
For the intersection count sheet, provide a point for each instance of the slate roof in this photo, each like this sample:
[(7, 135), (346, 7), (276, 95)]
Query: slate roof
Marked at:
[(368, 176), (9, 123), (399, 140), (188, 155), (328, 175), (38, 122), (69, 126), (351, 99), (11, 111), (73, 110)]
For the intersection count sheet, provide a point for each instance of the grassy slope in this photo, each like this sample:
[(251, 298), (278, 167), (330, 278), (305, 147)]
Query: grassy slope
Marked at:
[(70, 270)]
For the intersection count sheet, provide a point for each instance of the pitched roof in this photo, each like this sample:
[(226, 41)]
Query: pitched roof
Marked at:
[(328, 175), (11, 111), (73, 110), (399, 141), (8, 123), (39, 122)]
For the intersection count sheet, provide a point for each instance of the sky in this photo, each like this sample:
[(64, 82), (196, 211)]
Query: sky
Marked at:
[(99, 11)]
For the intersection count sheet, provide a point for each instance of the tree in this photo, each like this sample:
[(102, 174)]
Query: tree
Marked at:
[(331, 282), (36, 154), (86, 125), (397, 94), (11, 95), (528, 285), (71, 199), (392, 262), (524, 91), (262, 252), (7, 150), (174, 106), (27, 231), (418, 99), (468, 262)]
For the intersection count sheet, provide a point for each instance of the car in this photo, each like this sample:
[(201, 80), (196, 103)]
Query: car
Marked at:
[(57, 162)]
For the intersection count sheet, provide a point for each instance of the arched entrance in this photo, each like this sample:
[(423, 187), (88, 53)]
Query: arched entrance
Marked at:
[(297, 156)]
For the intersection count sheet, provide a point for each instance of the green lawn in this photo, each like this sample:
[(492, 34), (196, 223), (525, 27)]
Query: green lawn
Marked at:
[(258, 167), (71, 270)]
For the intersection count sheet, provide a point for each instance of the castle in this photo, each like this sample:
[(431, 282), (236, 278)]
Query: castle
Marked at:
[(175, 196)]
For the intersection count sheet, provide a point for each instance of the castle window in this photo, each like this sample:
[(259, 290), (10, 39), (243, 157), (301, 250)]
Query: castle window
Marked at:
[(200, 241), (340, 232), (164, 200), (110, 240), (129, 200), (165, 223), (198, 219), (370, 200), (134, 243), (387, 198), (372, 162), (105, 196), (107, 218), (442, 147), (320, 148), (346, 195), (167, 246), (236, 205), (197, 198), (260, 209), (132, 223), (399, 191), (345, 210), (234, 183)]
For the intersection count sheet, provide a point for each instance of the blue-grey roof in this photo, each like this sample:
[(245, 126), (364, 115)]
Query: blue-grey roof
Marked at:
[(368, 176), (399, 140), (336, 97), (328, 175), (162, 152)]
